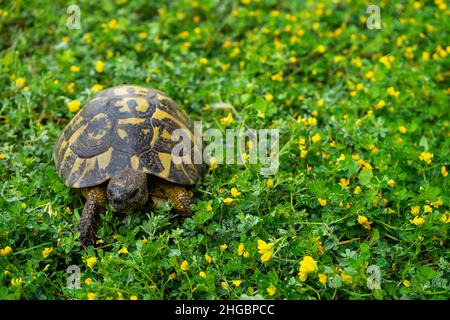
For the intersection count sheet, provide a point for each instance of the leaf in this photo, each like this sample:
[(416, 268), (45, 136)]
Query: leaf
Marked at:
[(365, 176), (426, 273), (8, 58), (374, 237), (423, 143), (260, 104)]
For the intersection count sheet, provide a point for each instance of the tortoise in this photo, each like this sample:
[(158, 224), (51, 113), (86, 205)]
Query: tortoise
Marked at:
[(117, 149)]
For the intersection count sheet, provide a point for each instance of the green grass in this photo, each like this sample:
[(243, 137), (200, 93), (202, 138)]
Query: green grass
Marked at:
[(310, 69)]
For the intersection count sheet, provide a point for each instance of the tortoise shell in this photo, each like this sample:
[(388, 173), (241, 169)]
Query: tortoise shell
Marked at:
[(125, 127)]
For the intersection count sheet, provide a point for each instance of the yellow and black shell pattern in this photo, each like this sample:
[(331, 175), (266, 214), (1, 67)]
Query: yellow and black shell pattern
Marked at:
[(125, 127)]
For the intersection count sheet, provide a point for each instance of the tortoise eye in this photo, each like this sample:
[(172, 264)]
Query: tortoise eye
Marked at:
[(134, 193)]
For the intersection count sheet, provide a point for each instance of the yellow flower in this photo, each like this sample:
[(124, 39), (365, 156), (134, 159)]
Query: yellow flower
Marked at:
[(426, 156), (357, 190), (143, 35), (402, 129), (97, 88), (112, 24), (88, 281), (427, 209), (312, 122), (269, 183), (91, 261), (406, 283), (344, 182), (392, 92), (346, 277), (46, 252), (437, 203), (228, 201), (74, 105), (234, 192), (209, 207), (15, 282), (202, 274), (227, 120), (266, 250), (91, 296), (418, 221), (123, 250), (323, 278), (307, 266), (362, 220), (380, 104), (21, 81), (235, 52), (444, 171), (203, 61), (213, 163), (184, 265), (236, 283), (321, 48), (271, 290), (2, 156), (71, 87), (369, 75), (183, 34), (208, 258), (138, 47), (386, 60), (223, 247), (277, 77), (99, 66), (320, 103), (65, 39), (133, 297), (316, 138), (242, 251), (415, 210), (6, 250), (322, 202), (87, 37), (268, 97), (444, 218), (75, 69)]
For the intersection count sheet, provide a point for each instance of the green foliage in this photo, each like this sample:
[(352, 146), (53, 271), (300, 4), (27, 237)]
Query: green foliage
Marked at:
[(364, 149)]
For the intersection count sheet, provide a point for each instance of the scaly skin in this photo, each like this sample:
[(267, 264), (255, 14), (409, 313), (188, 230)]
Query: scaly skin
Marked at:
[(91, 220), (96, 199), (177, 194)]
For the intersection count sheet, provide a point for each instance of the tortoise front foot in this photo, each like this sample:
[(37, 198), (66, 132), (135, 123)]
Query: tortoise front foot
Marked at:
[(90, 221), (177, 194)]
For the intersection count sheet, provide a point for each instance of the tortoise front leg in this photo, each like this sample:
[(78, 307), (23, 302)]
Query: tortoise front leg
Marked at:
[(90, 220), (177, 194)]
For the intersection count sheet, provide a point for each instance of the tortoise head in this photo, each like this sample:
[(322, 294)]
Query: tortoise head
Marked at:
[(127, 190)]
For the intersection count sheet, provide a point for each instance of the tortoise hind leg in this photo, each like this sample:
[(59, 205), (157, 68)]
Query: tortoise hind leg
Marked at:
[(177, 194), (90, 221)]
